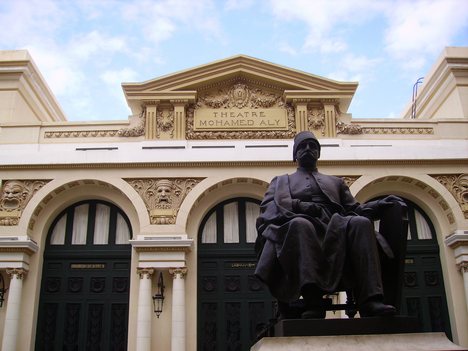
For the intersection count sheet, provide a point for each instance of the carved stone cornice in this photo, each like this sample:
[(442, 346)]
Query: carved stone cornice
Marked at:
[(19, 273), (179, 272), (215, 164), (457, 185), (145, 272), (163, 196), (15, 195)]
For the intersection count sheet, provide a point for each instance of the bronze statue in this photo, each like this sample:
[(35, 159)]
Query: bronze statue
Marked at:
[(313, 236)]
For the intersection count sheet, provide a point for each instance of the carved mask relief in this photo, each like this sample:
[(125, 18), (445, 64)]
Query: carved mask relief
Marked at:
[(163, 196), (14, 198)]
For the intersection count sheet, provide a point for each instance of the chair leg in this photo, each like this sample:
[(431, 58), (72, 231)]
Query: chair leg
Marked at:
[(351, 311)]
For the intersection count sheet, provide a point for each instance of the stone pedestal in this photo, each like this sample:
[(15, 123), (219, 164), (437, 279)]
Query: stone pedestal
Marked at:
[(346, 326), (381, 342)]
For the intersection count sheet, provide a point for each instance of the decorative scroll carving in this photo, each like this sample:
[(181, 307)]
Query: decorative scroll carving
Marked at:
[(81, 134), (163, 197), (463, 267), (14, 198), (165, 123), (457, 184), (349, 180), (396, 130), (344, 128), (137, 130)]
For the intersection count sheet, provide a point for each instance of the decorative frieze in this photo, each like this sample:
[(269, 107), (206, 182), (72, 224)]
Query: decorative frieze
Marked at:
[(103, 133), (457, 185), (163, 196), (344, 128), (165, 124), (397, 130), (15, 196)]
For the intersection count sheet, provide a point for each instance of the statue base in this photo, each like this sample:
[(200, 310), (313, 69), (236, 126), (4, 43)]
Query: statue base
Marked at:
[(346, 326), (381, 342)]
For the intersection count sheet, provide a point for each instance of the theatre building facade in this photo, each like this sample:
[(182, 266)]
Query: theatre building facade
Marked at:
[(138, 234)]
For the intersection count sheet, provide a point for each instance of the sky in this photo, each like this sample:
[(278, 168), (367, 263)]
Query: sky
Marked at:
[(85, 49)]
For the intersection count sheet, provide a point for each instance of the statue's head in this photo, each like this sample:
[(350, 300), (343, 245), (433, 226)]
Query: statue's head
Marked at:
[(302, 138)]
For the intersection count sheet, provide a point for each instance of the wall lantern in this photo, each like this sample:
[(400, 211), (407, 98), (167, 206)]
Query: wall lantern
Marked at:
[(3, 290), (158, 298)]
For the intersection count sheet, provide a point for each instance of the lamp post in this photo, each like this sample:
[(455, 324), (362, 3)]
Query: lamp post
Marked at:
[(158, 298)]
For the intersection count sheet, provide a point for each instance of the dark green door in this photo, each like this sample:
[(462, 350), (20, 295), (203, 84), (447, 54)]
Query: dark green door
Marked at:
[(85, 281), (423, 291), (232, 304)]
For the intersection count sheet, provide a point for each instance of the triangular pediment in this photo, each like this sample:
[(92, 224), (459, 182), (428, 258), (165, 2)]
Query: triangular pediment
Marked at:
[(190, 84)]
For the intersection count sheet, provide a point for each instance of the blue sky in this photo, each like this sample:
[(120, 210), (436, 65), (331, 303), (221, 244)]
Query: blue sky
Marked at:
[(86, 49)]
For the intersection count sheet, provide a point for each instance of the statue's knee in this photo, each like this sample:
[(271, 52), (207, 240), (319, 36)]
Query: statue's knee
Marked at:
[(360, 222)]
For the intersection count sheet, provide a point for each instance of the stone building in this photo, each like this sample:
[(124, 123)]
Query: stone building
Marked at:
[(97, 218)]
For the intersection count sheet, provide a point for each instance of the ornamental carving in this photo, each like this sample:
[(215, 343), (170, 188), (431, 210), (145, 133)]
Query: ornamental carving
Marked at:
[(137, 130), (349, 180), (316, 119), (163, 196), (457, 184), (14, 198), (394, 131), (344, 128), (165, 123), (81, 134), (239, 95)]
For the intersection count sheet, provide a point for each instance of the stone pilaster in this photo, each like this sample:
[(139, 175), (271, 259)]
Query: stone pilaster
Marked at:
[(178, 309), (12, 315), (145, 309), (150, 123), (329, 106), (179, 118)]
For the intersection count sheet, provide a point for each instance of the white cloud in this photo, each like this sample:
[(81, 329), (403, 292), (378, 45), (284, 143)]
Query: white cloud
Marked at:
[(285, 47), (322, 17), (420, 28), (232, 5), (116, 77), (86, 45)]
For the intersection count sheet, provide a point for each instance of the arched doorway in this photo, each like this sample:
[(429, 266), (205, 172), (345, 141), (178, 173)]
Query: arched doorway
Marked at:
[(423, 289), (232, 304), (85, 280)]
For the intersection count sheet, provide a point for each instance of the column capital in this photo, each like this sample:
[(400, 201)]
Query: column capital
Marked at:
[(463, 267), (179, 271), (19, 272), (145, 272)]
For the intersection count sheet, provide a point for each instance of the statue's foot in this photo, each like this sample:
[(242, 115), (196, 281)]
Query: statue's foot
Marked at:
[(376, 309), (315, 313)]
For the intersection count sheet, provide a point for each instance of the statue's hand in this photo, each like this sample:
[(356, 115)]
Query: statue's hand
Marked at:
[(389, 201), (310, 208)]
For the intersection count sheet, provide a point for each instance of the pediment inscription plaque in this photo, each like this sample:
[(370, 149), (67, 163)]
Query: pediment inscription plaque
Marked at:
[(242, 109)]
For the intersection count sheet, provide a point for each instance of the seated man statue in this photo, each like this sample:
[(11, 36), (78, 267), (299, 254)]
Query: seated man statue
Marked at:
[(312, 234)]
